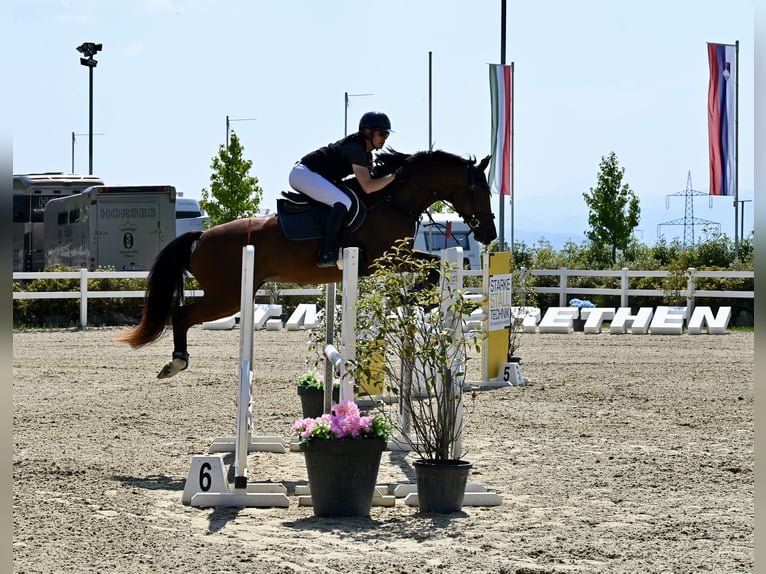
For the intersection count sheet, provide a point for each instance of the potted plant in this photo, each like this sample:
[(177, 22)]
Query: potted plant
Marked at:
[(578, 323), (421, 324), (342, 451), (311, 393)]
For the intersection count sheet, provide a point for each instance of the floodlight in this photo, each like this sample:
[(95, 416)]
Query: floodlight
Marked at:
[(89, 49)]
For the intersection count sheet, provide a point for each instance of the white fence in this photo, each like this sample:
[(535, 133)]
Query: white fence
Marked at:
[(564, 290), (626, 274)]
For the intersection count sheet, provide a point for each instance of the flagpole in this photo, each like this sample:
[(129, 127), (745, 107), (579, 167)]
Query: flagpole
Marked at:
[(736, 151), (429, 247), (513, 188), (430, 99), (501, 200)]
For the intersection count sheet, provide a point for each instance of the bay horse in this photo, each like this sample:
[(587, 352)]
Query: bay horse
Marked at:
[(214, 256)]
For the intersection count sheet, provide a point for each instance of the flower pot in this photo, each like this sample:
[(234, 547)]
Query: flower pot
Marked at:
[(342, 475), (578, 323), (312, 400), (441, 485)]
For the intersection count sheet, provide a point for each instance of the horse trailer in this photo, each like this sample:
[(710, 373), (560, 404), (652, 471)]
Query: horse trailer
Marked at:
[(31, 193), (444, 230), (121, 226)]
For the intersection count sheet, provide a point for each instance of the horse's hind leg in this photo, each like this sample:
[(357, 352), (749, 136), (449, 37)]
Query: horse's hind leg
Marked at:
[(180, 359), (184, 317)]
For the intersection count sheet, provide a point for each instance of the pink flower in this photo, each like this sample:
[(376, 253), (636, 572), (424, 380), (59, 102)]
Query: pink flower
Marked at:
[(365, 423), (344, 422), (346, 408), (300, 424)]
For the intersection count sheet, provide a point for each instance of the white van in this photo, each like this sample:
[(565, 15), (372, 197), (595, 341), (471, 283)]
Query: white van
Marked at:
[(448, 230), (189, 216)]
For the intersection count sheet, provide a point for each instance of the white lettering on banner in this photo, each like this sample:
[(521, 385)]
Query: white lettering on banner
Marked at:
[(594, 317), (663, 321), (716, 324), (668, 321), (660, 321), (638, 323), (558, 320), (500, 295)]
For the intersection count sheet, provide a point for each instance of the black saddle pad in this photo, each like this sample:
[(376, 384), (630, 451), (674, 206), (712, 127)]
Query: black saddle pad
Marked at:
[(301, 217)]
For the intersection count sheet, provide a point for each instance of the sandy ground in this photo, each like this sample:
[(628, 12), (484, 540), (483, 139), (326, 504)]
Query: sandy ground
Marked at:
[(624, 454)]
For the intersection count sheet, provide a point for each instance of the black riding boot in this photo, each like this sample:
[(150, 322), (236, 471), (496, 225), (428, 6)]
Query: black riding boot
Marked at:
[(328, 252)]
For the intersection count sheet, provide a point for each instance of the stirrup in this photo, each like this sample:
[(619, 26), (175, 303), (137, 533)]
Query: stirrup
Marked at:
[(327, 259)]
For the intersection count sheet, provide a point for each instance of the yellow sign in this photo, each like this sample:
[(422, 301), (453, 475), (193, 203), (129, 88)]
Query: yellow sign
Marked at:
[(496, 344), (375, 349)]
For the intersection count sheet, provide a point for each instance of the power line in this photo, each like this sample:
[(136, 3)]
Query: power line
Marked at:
[(688, 220)]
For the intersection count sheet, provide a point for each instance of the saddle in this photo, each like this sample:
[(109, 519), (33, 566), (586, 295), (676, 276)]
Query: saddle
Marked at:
[(302, 217)]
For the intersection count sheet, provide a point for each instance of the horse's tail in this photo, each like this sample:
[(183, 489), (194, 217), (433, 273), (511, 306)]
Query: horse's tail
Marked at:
[(163, 291)]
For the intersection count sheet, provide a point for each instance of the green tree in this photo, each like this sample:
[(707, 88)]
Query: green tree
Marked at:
[(442, 207), (233, 192), (613, 208)]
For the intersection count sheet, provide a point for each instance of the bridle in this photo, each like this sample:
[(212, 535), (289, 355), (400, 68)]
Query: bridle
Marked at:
[(477, 183)]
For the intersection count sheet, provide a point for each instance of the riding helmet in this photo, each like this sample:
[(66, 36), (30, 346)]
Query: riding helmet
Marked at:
[(375, 121)]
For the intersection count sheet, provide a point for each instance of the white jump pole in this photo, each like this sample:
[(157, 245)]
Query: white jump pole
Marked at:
[(245, 441), (349, 296), (453, 259), (206, 484), (329, 313), (337, 359), (244, 396)]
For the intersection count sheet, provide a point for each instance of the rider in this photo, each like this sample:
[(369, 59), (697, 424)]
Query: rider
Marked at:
[(319, 172)]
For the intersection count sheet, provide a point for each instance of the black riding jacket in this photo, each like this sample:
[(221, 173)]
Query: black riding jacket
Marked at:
[(334, 161)]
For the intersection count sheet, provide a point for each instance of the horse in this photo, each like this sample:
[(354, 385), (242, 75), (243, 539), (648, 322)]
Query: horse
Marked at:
[(214, 256)]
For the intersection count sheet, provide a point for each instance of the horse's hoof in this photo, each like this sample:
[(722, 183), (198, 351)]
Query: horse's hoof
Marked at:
[(173, 367)]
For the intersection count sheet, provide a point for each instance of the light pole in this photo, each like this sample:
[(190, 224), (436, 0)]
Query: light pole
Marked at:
[(74, 141), (345, 110), (228, 129), (89, 49)]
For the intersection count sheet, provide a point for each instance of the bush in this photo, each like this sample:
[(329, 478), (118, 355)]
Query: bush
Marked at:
[(32, 313)]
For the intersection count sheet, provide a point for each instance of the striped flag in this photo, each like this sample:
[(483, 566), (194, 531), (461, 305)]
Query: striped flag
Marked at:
[(721, 97), (501, 90)]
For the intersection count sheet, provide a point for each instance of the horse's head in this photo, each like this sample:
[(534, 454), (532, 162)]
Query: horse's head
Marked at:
[(440, 176), (475, 203)]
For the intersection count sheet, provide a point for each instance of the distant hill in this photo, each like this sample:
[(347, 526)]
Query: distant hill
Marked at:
[(556, 239)]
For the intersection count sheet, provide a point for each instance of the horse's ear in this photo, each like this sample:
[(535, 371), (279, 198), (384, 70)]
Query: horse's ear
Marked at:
[(484, 163)]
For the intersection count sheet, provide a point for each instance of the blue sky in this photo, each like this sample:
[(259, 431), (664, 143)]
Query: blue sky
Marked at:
[(590, 78)]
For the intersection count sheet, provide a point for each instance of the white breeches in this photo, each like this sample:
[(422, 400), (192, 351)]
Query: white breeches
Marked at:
[(316, 187)]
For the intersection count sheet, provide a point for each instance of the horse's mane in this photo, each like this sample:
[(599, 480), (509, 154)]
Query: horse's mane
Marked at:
[(389, 160)]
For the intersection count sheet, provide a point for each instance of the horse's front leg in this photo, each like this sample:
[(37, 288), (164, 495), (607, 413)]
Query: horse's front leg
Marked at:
[(434, 274)]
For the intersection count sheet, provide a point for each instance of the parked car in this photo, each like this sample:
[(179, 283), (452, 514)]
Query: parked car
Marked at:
[(190, 216)]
